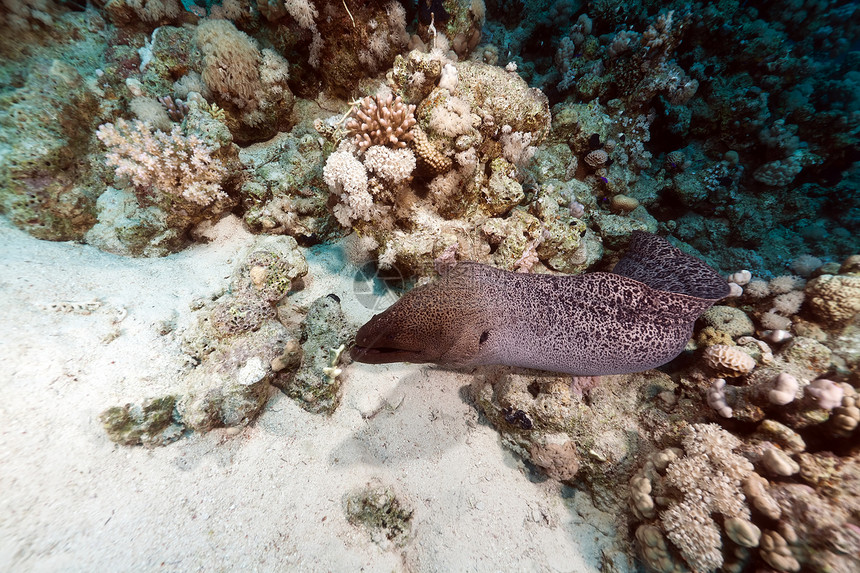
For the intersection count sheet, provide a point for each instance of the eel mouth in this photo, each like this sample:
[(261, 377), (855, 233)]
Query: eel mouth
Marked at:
[(383, 354)]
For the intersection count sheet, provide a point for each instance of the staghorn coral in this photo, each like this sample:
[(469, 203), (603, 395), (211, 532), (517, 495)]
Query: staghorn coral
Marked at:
[(169, 182)]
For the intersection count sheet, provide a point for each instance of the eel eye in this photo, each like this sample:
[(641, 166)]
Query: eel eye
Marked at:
[(484, 336)]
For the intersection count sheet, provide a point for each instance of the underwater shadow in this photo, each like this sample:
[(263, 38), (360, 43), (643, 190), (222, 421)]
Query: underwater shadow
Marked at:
[(422, 417)]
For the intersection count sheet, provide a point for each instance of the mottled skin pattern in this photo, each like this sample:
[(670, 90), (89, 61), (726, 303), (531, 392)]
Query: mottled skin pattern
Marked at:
[(637, 317)]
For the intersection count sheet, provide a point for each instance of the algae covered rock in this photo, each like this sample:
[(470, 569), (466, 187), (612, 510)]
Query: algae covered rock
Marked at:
[(226, 396), (269, 271), (325, 333), (596, 439), (285, 192), (126, 227), (155, 422), (46, 184), (263, 278), (237, 344), (376, 508)]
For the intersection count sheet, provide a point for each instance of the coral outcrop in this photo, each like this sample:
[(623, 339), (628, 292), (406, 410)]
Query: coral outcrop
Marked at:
[(235, 347)]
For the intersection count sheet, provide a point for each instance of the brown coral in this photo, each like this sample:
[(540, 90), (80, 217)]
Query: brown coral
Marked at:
[(382, 120), (559, 461), (427, 153), (597, 158), (835, 298)]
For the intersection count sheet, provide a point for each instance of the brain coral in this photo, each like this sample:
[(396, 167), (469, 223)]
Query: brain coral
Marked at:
[(834, 298), (728, 360)]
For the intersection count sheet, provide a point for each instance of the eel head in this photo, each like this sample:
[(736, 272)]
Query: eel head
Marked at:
[(442, 322)]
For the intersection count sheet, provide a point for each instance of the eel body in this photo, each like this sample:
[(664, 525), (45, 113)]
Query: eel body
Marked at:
[(637, 317)]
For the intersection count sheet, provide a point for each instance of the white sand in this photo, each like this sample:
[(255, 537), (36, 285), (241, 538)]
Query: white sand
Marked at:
[(268, 498)]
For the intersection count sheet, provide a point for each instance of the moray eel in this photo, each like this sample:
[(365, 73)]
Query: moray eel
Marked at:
[(637, 317)]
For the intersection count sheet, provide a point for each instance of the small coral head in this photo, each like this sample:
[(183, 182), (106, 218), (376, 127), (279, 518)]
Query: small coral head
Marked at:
[(381, 120)]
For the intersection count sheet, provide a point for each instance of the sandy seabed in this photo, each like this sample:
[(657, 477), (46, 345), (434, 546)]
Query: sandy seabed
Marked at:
[(269, 497)]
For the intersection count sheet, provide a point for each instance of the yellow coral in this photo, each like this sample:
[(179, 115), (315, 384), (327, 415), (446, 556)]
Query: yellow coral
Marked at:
[(428, 154), (834, 298)]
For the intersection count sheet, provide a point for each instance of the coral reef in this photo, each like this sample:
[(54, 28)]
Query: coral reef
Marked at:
[(533, 136), (46, 185), (711, 497), (177, 180), (453, 180)]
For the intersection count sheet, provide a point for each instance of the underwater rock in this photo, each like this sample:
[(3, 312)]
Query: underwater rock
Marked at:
[(228, 389), (271, 268), (47, 187), (596, 440), (325, 333), (286, 193), (231, 387), (263, 278), (125, 227), (376, 508), (154, 422), (236, 345)]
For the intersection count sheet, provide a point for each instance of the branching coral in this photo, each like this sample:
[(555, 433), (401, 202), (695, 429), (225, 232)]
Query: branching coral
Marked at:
[(180, 165), (382, 120)]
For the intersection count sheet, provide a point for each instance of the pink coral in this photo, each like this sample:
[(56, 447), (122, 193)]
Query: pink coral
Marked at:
[(174, 163)]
